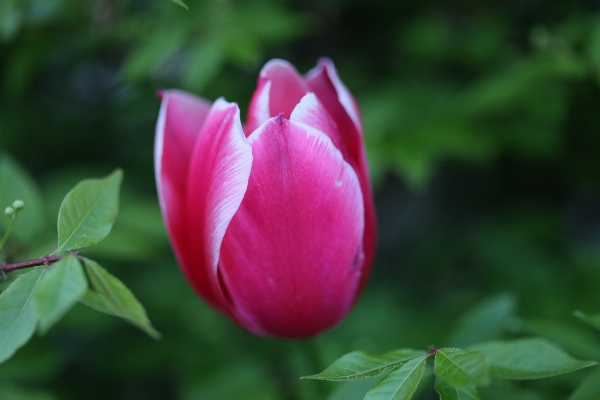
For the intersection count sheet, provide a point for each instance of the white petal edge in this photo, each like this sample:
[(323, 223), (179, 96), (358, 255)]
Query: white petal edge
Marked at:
[(310, 112), (234, 183), (262, 111), (309, 129), (159, 138), (275, 62), (344, 96)]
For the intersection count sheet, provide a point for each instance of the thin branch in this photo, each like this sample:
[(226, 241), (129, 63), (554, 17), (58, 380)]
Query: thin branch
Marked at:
[(46, 260)]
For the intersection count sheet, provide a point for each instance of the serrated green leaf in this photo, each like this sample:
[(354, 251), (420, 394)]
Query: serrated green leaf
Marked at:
[(15, 183), (358, 365), (449, 392), (99, 303), (593, 320), (401, 383), (589, 389), (60, 288), (181, 3), (461, 367), (112, 297), (88, 212), (18, 314), (529, 358)]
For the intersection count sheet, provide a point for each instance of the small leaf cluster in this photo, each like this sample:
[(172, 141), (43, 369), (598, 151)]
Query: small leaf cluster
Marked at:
[(53, 284), (457, 371)]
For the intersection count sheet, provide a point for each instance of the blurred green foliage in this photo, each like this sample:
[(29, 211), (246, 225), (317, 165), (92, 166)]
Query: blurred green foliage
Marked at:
[(483, 133)]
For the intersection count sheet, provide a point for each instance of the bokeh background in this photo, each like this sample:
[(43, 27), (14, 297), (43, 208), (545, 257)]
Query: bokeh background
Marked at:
[(483, 132)]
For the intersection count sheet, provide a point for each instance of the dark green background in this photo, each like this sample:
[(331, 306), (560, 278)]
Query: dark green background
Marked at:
[(483, 131)]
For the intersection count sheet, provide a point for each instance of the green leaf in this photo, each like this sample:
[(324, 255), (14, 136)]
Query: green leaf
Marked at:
[(589, 388), (529, 358), (353, 390), (112, 297), (18, 314), (401, 383), (593, 320), (16, 183), (88, 212), (12, 392), (576, 339), (181, 3), (59, 290), (461, 367), (206, 58), (484, 322), (358, 365), (158, 47), (509, 390), (449, 392), (11, 20)]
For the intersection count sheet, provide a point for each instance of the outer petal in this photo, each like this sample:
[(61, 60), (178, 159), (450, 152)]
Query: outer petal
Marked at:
[(218, 176), (280, 88), (180, 120), (336, 98), (292, 253)]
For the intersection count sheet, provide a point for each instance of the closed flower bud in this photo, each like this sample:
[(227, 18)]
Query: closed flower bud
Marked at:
[(272, 222)]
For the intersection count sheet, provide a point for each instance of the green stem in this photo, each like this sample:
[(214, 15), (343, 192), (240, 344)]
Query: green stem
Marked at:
[(315, 362), (11, 224), (313, 354)]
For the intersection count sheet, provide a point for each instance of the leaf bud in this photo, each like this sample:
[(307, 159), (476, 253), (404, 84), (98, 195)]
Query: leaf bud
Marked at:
[(18, 204)]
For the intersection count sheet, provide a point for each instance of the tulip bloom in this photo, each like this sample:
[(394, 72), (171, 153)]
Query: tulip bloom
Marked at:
[(272, 223)]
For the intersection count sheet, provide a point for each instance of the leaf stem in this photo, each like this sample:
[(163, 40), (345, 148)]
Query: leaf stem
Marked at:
[(46, 260)]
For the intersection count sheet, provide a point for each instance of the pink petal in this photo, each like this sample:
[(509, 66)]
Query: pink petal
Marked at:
[(180, 119), (322, 81), (280, 88), (291, 256), (315, 77), (337, 100), (312, 113), (259, 110), (217, 180)]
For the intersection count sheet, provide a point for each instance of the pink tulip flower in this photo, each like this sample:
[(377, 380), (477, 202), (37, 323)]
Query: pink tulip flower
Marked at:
[(272, 223)]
